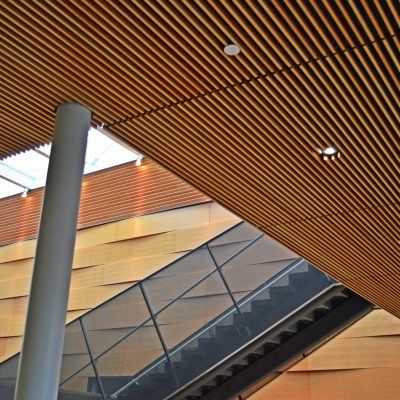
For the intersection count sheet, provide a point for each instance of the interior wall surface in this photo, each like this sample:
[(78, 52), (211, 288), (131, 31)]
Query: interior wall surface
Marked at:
[(108, 259), (361, 363), (109, 195)]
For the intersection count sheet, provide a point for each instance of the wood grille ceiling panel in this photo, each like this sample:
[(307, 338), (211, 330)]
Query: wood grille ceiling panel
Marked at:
[(243, 129)]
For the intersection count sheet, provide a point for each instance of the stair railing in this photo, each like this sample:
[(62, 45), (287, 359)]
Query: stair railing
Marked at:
[(93, 359), (235, 308), (153, 315)]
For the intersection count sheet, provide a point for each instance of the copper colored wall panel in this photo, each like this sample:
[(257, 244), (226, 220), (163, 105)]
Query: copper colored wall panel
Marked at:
[(109, 195)]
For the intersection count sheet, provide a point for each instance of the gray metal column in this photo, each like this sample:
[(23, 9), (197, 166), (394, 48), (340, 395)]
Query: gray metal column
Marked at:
[(40, 363)]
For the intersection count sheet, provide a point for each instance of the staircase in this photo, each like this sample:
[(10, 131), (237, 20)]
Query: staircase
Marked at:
[(246, 344), (206, 327), (284, 342)]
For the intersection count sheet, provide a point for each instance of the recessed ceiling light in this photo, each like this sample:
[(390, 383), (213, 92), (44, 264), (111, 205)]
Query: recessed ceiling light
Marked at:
[(232, 49), (329, 153)]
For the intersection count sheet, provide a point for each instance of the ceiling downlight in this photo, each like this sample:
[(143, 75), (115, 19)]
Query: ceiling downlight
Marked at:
[(232, 50), (329, 153)]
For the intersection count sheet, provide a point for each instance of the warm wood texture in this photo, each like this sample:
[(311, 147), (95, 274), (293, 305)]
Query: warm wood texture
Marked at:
[(245, 129), (110, 195), (108, 258), (363, 362)]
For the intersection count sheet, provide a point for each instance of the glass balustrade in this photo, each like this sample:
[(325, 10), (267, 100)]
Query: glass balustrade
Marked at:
[(176, 324)]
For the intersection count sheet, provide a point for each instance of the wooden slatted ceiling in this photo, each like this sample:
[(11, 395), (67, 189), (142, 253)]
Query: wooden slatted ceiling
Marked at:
[(244, 129), (135, 191)]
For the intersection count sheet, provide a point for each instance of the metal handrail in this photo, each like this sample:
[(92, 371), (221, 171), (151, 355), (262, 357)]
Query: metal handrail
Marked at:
[(137, 283), (253, 340), (137, 327), (174, 300), (211, 324), (152, 317), (159, 270)]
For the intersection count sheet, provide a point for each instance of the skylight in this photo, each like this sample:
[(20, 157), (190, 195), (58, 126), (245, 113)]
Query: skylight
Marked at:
[(29, 169)]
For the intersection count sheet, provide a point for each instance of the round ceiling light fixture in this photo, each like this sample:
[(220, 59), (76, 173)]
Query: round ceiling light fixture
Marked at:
[(232, 50), (329, 153)]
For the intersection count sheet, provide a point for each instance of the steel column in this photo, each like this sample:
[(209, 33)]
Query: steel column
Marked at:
[(40, 363)]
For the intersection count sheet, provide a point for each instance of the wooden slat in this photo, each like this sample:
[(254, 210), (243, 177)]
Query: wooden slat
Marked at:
[(135, 191), (245, 129)]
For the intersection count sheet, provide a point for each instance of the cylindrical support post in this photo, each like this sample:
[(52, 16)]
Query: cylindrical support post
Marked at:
[(40, 364)]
